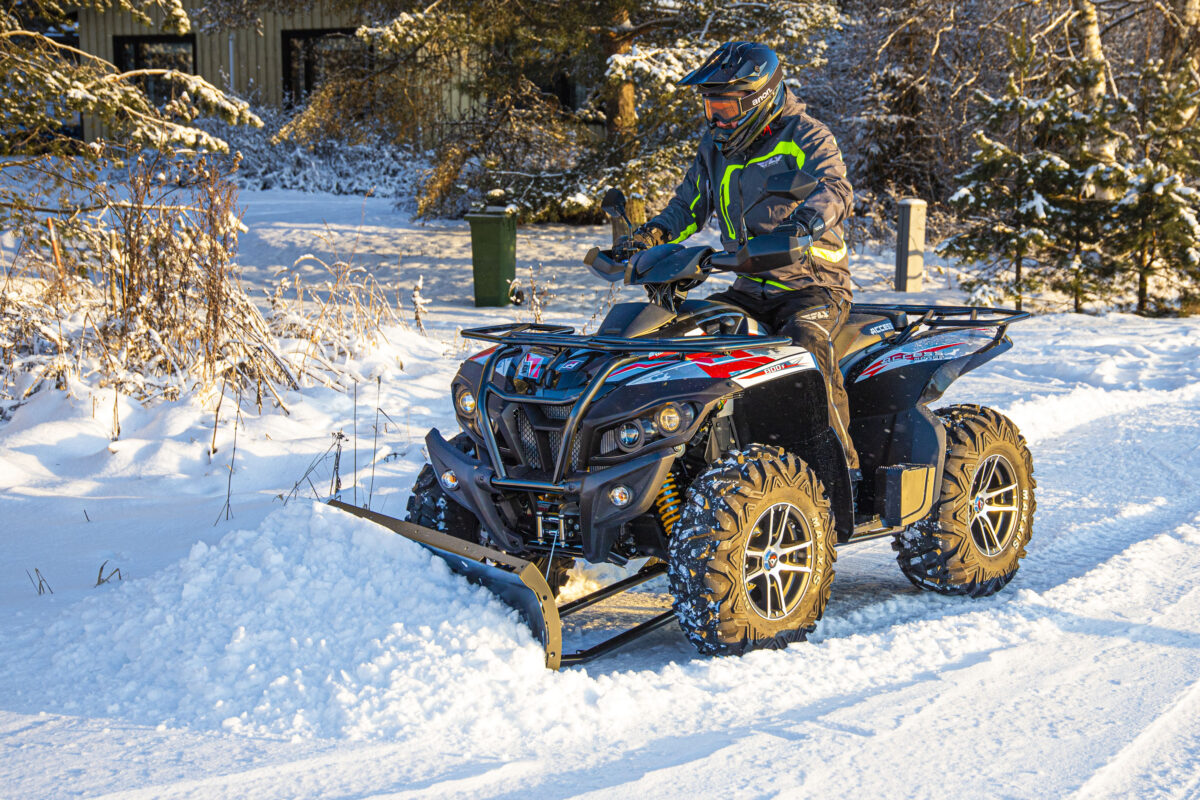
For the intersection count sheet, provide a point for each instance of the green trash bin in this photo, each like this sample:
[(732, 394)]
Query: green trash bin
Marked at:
[(493, 254)]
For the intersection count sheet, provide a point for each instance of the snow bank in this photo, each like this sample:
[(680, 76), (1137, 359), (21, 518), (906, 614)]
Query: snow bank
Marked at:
[(316, 624)]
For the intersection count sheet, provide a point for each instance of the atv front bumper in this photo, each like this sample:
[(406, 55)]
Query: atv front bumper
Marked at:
[(600, 519)]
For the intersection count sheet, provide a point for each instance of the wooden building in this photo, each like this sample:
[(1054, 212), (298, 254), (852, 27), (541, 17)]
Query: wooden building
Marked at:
[(278, 65)]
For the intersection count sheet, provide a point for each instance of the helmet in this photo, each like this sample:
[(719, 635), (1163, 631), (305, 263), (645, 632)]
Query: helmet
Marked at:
[(742, 86)]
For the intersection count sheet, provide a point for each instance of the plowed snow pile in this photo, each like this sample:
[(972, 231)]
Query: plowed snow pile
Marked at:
[(315, 624)]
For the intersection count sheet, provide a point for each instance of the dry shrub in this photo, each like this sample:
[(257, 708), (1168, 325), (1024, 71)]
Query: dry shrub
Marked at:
[(337, 316), (141, 291)]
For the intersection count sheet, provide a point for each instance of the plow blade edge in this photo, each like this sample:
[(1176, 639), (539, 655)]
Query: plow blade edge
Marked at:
[(515, 581)]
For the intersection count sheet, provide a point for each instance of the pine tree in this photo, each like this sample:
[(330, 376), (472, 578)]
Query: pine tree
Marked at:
[(1004, 191), (1153, 233)]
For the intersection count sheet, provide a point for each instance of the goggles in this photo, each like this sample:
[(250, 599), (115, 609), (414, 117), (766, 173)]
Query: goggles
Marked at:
[(728, 108), (722, 108)]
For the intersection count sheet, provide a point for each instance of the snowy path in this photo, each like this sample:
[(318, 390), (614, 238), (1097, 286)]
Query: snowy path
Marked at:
[(314, 656)]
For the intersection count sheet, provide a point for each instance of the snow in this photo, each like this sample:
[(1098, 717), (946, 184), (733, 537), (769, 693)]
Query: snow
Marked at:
[(295, 651)]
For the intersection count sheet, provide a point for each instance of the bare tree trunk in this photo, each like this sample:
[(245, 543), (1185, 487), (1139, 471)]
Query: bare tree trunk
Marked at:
[(1088, 29), (1087, 25), (1017, 262), (1179, 38), (620, 109), (1180, 45)]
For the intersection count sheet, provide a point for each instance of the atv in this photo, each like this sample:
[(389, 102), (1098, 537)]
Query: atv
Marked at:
[(683, 433)]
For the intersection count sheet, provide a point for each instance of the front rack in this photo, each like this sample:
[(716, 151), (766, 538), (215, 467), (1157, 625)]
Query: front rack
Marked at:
[(563, 337)]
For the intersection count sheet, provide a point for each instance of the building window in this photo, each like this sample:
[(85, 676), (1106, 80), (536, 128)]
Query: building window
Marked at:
[(309, 57), (155, 52)]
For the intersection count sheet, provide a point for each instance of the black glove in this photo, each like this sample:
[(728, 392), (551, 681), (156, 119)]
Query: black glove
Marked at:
[(803, 221), (644, 237)]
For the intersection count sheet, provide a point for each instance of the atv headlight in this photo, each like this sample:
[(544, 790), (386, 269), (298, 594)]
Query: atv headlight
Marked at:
[(669, 418), (629, 436), (465, 402)]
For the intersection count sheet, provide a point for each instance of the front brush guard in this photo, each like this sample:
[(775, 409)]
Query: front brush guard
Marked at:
[(519, 584)]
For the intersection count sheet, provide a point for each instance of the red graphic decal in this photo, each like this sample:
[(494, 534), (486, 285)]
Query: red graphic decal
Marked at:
[(888, 361), (531, 366), (726, 365), (483, 354)]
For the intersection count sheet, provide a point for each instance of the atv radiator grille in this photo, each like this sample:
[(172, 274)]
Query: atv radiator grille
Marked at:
[(529, 448), (530, 437)]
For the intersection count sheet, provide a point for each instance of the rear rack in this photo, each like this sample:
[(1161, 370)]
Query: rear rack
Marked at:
[(946, 317), (563, 337)]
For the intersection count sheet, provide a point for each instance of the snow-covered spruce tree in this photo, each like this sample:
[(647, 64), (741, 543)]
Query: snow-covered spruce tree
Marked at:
[(1003, 192), (1041, 195), (1153, 234), (915, 65)]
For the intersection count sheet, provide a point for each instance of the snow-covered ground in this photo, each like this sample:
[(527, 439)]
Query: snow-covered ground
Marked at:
[(293, 651)]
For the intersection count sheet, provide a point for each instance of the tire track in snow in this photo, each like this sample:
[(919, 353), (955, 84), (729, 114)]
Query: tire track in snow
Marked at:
[(1150, 765)]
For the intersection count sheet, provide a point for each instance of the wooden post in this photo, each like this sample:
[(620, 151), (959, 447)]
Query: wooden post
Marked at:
[(910, 246)]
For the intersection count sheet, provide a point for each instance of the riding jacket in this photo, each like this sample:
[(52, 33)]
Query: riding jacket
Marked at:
[(720, 186)]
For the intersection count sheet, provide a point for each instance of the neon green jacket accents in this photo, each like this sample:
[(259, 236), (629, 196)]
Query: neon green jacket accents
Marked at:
[(717, 186)]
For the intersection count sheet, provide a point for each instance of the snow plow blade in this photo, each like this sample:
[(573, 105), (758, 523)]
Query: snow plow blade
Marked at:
[(515, 581), (519, 584)]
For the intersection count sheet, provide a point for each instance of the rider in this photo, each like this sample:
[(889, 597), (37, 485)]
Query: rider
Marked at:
[(756, 128)]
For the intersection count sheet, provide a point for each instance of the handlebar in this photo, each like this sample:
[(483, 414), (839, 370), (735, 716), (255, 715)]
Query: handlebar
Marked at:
[(671, 263)]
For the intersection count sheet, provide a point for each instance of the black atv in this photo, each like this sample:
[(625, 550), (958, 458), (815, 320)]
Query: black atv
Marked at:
[(682, 433)]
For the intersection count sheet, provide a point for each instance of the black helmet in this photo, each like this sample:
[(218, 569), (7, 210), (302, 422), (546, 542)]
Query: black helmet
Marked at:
[(742, 86)]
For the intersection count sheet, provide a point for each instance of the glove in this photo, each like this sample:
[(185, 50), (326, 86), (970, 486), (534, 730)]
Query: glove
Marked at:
[(804, 221), (644, 237)]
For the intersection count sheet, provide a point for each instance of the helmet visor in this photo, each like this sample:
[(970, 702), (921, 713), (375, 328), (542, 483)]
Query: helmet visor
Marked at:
[(722, 108)]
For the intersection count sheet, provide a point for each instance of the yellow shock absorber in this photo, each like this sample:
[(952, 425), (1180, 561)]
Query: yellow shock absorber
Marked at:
[(668, 503)]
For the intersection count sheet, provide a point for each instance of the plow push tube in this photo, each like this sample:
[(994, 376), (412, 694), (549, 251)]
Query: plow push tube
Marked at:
[(519, 584)]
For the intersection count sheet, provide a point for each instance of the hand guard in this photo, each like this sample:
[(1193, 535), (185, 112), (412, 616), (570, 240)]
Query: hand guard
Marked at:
[(803, 222)]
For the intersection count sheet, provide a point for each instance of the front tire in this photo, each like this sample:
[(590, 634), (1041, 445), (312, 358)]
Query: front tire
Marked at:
[(973, 541), (751, 560), (431, 507)]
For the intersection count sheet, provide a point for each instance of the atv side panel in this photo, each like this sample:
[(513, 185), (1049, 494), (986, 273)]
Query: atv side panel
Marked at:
[(894, 378), (913, 436), (792, 412)]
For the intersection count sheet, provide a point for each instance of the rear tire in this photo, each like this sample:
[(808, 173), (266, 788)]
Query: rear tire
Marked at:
[(751, 560), (972, 542)]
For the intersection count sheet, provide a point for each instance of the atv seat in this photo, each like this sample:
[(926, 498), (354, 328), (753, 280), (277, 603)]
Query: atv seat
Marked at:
[(863, 330), (860, 331)]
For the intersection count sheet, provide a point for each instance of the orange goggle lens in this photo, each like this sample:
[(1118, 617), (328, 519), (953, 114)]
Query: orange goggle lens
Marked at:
[(722, 109)]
